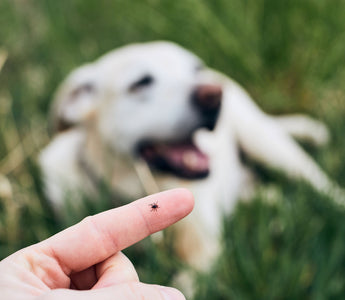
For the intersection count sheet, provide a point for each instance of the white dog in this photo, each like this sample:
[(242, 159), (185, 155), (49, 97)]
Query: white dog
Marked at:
[(150, 117)]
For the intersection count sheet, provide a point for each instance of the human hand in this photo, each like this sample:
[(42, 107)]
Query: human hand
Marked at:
[(85, 261)]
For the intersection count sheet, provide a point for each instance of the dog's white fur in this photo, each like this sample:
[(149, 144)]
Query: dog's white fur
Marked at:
[(107, 120)]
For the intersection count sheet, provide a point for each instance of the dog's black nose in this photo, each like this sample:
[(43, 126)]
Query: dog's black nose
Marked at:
[(207, 99)]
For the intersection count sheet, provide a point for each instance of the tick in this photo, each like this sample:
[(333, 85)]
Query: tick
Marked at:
[(154, 206)]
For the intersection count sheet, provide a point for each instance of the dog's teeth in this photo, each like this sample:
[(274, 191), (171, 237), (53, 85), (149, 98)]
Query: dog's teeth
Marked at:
[(190, 160)]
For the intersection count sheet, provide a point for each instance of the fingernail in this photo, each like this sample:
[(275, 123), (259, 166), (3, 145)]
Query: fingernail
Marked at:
[(171, 293)]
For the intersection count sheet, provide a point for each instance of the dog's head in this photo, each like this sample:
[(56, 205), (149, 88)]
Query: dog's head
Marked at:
[(147, 100)]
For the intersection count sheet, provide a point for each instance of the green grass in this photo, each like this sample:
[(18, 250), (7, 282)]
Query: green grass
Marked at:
[(288, 54)]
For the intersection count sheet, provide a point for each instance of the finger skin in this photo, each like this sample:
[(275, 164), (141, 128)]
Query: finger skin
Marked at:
[(98, 237), (127, 291), (115, 270)]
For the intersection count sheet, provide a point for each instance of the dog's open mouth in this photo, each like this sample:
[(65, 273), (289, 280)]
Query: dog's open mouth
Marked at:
[(183, 159)]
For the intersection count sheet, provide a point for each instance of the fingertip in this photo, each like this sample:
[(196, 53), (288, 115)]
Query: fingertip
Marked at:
[(152, 291), (165, 208), (188, 198), (169, 293), (181, 198)]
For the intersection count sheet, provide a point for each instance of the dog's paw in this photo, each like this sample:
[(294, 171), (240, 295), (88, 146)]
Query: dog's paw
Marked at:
[(305, 128), (319, 133)]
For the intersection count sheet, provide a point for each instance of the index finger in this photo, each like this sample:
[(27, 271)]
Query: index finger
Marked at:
[(98, 237)]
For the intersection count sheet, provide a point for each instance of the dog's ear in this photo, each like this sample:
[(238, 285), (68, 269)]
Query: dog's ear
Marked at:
[(75, 100)]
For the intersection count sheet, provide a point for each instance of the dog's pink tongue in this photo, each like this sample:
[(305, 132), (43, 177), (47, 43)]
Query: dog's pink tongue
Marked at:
[(183, 159), (186, 157)]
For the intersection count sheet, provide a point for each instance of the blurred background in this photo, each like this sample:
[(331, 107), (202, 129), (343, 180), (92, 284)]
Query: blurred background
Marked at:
[(290, 56)]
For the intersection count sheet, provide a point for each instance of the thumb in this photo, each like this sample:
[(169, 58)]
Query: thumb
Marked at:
[(126, 291)]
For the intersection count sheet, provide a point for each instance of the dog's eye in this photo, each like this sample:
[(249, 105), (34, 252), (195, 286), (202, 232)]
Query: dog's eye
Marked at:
[(141, 83), (199, 67)]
